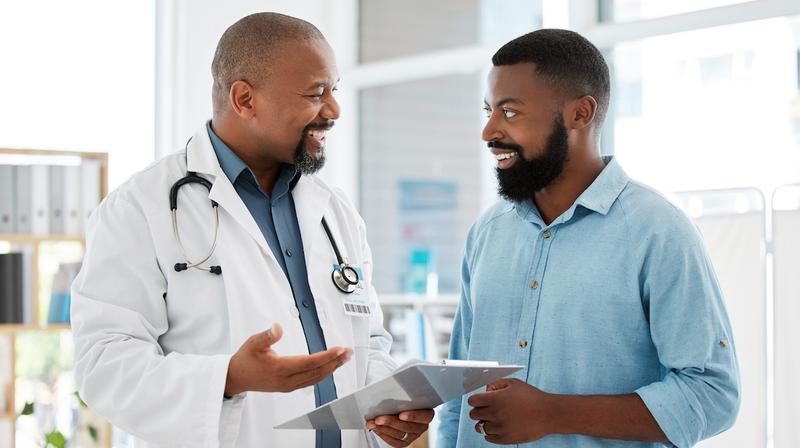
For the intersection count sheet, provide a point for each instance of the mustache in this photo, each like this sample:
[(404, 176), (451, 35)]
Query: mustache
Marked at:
[(324, 126), (503, 145)]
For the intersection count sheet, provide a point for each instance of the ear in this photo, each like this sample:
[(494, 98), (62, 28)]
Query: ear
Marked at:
[(579, 113), (241, 98)]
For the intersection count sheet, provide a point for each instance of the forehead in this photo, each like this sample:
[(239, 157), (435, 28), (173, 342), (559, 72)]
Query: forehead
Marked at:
[(305, 62), (517, 81)]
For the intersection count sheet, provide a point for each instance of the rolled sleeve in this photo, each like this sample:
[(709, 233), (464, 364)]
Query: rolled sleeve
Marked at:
[(699, 393)]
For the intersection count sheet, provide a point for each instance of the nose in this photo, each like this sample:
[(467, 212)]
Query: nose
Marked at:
[(491, 131), (331, 109)]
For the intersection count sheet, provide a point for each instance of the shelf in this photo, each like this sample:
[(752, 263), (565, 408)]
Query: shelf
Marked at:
[(20, 238), (17, 328)]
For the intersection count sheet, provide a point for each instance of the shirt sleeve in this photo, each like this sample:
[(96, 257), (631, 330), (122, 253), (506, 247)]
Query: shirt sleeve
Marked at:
[(699, 393)]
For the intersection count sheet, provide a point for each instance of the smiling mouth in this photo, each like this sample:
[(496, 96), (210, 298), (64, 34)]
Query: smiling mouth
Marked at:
[(505, 156)]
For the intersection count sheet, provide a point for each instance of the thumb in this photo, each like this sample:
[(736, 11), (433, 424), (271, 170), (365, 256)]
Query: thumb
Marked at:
[(264, 340), (498, 384)]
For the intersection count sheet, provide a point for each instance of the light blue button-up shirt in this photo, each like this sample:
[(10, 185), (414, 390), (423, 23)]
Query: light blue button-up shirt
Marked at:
[(615, 296)]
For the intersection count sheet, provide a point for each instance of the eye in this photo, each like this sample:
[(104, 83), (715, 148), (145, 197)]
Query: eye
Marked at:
[(488, 111), (508, 113)]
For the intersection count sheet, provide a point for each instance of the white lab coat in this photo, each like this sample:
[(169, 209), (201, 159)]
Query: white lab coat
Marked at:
[(152, 345)]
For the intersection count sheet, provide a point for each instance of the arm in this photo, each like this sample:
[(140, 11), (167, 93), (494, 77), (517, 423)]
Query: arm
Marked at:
[(118, 315), (516, 412), (699, 394)]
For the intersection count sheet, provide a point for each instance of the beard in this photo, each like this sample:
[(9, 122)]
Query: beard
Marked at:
[(304, 162), (520, 181)]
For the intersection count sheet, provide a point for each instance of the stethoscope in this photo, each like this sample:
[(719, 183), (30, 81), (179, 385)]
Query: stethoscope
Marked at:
[(344, 276)]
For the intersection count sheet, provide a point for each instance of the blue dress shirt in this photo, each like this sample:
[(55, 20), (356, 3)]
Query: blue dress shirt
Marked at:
[(615, 296), (277, 219)]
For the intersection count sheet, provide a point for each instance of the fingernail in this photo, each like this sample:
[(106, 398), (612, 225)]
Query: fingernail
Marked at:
[(403, 417), (380, 421)]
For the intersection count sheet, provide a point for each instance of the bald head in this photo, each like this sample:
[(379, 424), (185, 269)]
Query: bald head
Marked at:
[(248, 49)]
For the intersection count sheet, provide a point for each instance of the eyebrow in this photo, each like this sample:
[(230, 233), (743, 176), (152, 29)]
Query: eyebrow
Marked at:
[(317, 85), (505, 101)]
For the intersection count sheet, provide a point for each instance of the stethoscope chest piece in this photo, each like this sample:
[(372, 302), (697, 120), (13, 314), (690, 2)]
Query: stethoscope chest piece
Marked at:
[(345, 278)]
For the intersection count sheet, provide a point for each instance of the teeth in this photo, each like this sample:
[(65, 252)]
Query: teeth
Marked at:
[(317, 134), (505, 156)]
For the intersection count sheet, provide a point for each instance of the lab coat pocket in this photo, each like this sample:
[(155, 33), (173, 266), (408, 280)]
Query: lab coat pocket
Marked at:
[(197, 311)]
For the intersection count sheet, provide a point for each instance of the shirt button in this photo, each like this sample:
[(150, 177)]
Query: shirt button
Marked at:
[(546, 234), (523, 343), (288, 252), (534, 284), (305, 303)]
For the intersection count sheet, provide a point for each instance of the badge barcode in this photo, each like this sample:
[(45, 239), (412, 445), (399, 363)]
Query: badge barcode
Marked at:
[(354, 308)]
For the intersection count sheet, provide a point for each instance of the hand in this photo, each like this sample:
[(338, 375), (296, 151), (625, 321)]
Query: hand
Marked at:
[(258, 368), (513, 412), (402, 429)]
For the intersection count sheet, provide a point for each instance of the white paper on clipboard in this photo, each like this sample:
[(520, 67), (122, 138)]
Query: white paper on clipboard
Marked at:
[(414, 385)]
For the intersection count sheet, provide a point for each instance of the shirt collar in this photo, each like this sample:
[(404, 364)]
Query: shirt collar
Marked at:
[(233, 166), (599, 197)]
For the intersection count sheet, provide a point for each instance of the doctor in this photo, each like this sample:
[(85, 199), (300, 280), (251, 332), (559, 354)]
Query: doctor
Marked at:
[(225, 289)]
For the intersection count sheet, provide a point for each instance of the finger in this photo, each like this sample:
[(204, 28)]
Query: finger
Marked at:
[(484, 413), (394, 437), (417, 415), (499, 384), (264, 340), (296, 364), (315, 375), (489, 428), (481, 399), (498, 439), (392, 421)]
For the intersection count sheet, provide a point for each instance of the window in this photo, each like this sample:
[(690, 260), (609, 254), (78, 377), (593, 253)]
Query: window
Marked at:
[(79, 76)]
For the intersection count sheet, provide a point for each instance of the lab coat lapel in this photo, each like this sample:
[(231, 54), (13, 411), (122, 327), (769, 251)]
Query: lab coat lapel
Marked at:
[(310, 203), (202, 159)]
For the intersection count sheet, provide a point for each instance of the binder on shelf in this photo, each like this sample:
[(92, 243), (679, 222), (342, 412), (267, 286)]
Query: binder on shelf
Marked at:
[(90, 188), (22, 200), (56, 214), (11, 288), (40, 195), (7, 223), (72, 200)]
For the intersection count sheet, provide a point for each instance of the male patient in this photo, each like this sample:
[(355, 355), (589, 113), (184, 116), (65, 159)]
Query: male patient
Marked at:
[(595, 283)]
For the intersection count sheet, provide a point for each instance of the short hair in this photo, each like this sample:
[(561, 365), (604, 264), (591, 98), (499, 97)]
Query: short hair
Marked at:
[(247, 49), (567, 60)]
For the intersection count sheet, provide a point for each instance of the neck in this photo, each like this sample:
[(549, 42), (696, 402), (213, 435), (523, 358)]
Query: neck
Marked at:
[(582, 168), (233, 134)]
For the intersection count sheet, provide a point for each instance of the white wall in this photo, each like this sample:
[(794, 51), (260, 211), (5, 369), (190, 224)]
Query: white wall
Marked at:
[(187, 32)]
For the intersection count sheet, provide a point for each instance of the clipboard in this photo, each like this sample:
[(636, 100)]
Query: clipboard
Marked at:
[(414, 385)]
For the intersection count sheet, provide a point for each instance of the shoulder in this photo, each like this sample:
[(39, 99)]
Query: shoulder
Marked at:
[(146, 186), (650, 215)]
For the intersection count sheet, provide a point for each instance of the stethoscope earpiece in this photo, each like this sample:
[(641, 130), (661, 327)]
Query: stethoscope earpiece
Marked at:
[(192, 178)]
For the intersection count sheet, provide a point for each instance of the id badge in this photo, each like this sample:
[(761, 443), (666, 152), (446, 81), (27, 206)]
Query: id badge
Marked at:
[(356, 304)]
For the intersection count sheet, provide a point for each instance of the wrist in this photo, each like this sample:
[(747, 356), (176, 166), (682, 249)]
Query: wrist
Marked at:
[(232, 386), (562, 413)]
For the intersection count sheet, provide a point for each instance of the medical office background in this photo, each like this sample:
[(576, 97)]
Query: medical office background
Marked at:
[(706, 107)]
